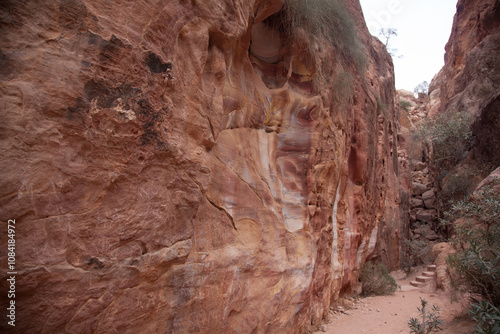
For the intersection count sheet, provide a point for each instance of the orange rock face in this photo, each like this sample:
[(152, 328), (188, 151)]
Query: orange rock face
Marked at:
[(178, 167), (470, 76), (470, 79)]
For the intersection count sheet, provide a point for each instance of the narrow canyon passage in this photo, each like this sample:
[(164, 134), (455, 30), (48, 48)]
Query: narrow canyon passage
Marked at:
[(390, 314)]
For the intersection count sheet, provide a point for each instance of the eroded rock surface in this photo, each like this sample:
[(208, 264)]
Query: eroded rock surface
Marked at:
[(177, 167), (470, 75), (470, 82)]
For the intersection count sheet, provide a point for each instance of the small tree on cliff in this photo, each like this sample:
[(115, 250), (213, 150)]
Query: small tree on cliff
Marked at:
[(422, 88), (387, 34)]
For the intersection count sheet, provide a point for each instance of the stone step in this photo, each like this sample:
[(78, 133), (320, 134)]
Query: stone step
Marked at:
[(431, 267), (429, 273), (418, 284), (423, 279)]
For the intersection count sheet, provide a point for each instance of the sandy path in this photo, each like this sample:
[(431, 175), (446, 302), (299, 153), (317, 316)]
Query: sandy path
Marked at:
[(390, 314)]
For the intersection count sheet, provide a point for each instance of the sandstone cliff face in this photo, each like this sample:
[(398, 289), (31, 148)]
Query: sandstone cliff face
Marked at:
[(470, 79), (471, 60), (176, 167)]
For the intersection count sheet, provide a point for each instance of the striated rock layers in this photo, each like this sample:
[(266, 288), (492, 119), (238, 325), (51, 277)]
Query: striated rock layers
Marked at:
[(182, 167)]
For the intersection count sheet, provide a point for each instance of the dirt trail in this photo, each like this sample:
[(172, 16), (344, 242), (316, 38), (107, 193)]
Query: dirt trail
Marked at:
[(390, 314)]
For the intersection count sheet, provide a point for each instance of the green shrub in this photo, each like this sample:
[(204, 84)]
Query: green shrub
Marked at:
[(450, 136), (477, 262), (486, 316), (376, 280), (457, 185), (416, 251), (328, 18), (431, 321), (405, 105)]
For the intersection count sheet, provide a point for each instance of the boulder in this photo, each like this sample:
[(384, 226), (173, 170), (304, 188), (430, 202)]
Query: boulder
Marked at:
[(418, 165), (418, 188), (416, 203), (430, 194), (493, 181), (439, 253), (430, 203), (426, 232), (431, 235), (427, 216)]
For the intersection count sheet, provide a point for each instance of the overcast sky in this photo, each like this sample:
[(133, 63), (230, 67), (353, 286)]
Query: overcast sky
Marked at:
[(424, 27)]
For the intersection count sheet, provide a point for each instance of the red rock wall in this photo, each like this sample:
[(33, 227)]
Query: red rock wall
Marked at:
[(470, 76), (175, 167), (470, 80)]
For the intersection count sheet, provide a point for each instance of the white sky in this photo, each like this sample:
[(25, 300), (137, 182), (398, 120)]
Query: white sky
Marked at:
[(424, 27)]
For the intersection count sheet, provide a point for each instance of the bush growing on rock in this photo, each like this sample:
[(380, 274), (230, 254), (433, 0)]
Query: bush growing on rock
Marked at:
[(450, 136), (477, 262), (328, 18), (405, 105), (457, 185), (417, 252), (376, 280)]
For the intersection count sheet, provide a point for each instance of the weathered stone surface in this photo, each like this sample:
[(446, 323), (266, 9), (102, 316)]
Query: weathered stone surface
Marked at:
[(428, 195), (426, 232), (417, 203), (430, 203), (439, 254), (175, 167), (427, 216), (418, 189), (470, 81), (492, 181), (418, 166), (485, 130), (431, 235), (470, 75)]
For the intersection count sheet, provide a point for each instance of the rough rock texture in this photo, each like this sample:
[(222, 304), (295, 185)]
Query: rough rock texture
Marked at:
[(470, 81), (470, 78), (175, 167), (471, 74), (439, 254), (492, 181)]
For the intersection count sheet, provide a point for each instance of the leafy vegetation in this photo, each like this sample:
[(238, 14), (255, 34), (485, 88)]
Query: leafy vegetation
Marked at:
[(376, 280), (387, 34), (431, 321), (486, 316), (477, 262), (328, 18), (405, 105), (450, 136), (476, 265), (458, 185), (416, 250)]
